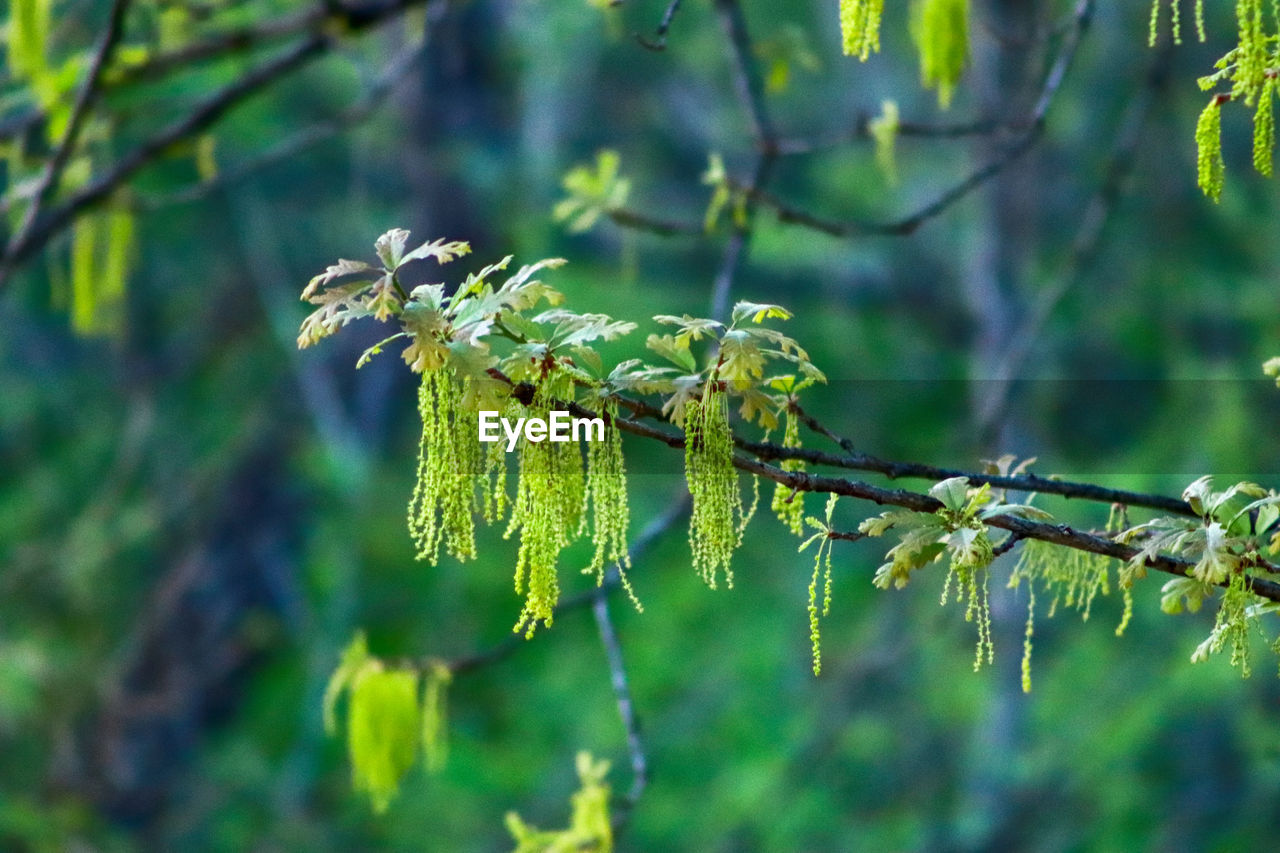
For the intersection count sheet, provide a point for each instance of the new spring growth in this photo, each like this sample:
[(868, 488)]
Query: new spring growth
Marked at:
[(820, 566), (860, 27), (548, 509), (940, 29), (715, 525)]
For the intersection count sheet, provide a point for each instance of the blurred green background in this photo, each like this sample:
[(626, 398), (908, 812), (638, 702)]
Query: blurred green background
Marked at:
[(195, 517)]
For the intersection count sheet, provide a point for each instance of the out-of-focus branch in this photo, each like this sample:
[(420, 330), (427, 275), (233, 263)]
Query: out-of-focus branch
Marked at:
[(642, 222), (324, 27), (861, 132), (52, 174), (200, 119), (659, 40), (750, 90), (1088, 237), (1034, 124), (626, 708), (355, 114)]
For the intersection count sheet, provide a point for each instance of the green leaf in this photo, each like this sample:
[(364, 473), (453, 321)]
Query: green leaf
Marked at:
[(741, 360), (429, 295), (759, 407), (390, 247), (353, 659), (384, 728), (758, 312), (341, 268), (589, 357), (952, 492), (1271, 367), (442, 250), (691, 328), (667, 347), (1178, 591), (1028, 511)]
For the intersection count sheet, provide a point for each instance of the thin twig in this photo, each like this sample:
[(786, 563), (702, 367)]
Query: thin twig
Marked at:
[(908, 224), (1006, 546), (626, 707), (227, 43), (858, 461), (648, 537), (750, 91), (746, 79), (356, 113), (861, 132), (659, 41), (642, 222)]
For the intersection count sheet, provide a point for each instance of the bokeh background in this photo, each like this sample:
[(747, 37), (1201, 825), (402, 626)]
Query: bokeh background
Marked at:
[(195, 517)]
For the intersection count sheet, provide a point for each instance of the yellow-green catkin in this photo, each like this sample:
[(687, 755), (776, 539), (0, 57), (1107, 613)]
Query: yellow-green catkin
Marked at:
[(435, 730), (969, 575), (383, 727), (1026, 640), (821, 566), (1264, 129), (884, 132), (714, 527), (450, 459), (1252, 54), (860, 27), (788, 503), (547, 512), (940, 29), (1210, 169), (1075, 578), (1175, 22), (590, 827), (610, 511), (1234, 614)]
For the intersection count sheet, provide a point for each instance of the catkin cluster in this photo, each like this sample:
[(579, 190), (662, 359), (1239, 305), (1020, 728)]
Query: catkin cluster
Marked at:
[(715, 528), (610, 512), (968, 562), (787, 503), (547, 512), (1250, 68), (1075, 578), (449, 460), (940, 29), (860, 27)]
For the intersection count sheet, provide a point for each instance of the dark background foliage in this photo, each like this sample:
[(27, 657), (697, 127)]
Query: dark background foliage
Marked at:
[(195, 517)]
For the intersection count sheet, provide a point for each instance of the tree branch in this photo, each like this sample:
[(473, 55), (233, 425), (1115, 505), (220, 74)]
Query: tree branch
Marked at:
[(366, 106), (659, 41), (201, 118), (626, 708), (1088, 237), (319, 25), (786, 213), (52, 174), (677, 508)]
